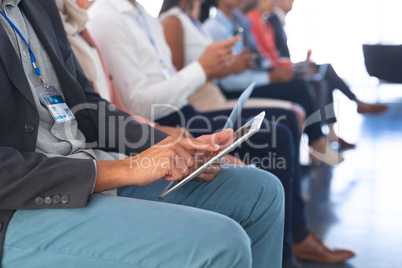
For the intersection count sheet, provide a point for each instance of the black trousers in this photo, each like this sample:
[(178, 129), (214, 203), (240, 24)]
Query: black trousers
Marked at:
[(335, 82), (324, 89), (297, 91), (280, 154)]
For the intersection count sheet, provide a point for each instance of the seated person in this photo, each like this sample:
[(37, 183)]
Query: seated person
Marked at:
[(258, 12), (55, 167), (99, 30), (331, 80), (188, 40), (142, 80), (87, 53), (272, 81)]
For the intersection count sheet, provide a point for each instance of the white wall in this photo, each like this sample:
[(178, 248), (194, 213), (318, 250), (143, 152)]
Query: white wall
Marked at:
[(152, 6), (336, 29)]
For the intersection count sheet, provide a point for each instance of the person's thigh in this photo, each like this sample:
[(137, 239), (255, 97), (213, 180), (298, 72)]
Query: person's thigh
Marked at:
[(250, 196), (125, 232)]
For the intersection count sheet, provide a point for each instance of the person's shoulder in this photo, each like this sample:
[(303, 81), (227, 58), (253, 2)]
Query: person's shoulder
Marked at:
[(103, 11), (211, 23), (50, 9), (172, 12), (252, 14), (103, 17), (254, 18), (214, 27), (172, 22)]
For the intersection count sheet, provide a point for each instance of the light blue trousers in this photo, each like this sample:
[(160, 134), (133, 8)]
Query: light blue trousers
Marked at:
[(236, 220)]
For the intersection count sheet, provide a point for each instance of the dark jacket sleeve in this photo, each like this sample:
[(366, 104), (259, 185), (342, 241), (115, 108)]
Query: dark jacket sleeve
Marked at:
[(27, 179)]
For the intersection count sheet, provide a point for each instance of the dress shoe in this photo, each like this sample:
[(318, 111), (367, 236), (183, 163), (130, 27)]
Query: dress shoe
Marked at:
[(344, 145), (313, 249), (367, 108), (326, 155)]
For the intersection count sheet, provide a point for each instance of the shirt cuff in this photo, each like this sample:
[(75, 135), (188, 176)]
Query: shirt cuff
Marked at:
[(195, 75)]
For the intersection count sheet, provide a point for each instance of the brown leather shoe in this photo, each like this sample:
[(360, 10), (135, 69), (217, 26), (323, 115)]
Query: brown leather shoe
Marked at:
[(367, 108), (344, 145), (313, 249)]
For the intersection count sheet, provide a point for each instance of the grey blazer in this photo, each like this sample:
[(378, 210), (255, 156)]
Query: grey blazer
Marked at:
[(26, 176)]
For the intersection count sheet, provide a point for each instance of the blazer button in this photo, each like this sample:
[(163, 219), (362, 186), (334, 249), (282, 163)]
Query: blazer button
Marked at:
[(1, 226), (48, 200), (56, 199), (29, 128), (39, 201), (65, 199)]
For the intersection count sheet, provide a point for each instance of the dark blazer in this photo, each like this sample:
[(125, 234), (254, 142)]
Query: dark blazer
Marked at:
[(26, 177), (280, 36)]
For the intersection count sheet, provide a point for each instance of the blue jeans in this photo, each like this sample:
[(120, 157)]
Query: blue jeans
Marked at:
[(236, 220)]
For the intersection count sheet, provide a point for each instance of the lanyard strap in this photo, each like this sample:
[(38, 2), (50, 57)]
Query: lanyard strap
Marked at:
[(33, 59), (142, 20)]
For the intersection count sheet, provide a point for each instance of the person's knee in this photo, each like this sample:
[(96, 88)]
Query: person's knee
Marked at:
[(271, 190), (224, 245), (269, 193)]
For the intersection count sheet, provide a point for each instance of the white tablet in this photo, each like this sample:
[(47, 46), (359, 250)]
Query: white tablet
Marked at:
[(236, 112), (242, 134)]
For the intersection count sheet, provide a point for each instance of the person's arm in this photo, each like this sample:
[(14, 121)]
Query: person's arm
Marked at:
[(119, 46), (239, 81), (30, 180), (169, 159), (139, 85), (242, 62), (174, 35)]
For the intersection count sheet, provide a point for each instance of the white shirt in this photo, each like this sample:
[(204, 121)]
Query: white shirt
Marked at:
[(117, 28), (196, 39), (101, 81)]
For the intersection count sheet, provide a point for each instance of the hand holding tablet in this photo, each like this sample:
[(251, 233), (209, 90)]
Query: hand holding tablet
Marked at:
[(242, 134)]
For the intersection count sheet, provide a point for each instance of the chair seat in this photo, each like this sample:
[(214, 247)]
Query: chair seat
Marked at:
[(384, 62)]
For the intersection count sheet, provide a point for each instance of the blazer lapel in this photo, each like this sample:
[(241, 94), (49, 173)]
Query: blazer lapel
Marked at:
[(43, 27), (14, 71)]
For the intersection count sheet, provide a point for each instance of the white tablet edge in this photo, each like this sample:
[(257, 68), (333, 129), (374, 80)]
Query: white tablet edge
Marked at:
[(239, 106)]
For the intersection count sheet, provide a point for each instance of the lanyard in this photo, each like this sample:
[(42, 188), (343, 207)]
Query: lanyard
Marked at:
[(33, 59), (142, 20)]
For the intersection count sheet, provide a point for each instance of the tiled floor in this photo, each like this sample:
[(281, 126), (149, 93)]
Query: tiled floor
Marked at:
[(358, 204)]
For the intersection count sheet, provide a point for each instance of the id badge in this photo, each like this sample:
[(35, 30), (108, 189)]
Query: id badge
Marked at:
[(56, 105)]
